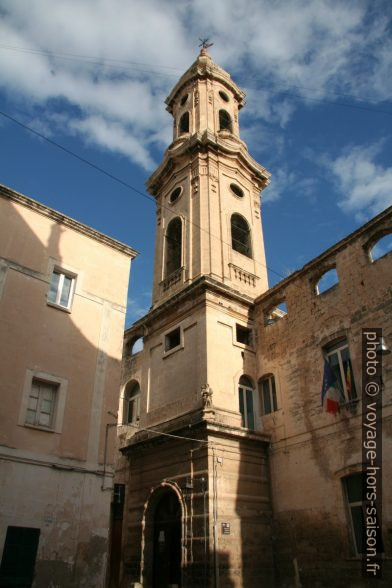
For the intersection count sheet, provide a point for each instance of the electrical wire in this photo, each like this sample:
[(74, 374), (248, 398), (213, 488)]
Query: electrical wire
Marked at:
[(119, 180), (136, 66), (169, 434)]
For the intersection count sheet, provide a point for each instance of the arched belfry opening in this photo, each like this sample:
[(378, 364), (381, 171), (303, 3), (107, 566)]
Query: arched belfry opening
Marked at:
[(225, 123), (163, 539), (173, 248), (184, 123), (240, 235)]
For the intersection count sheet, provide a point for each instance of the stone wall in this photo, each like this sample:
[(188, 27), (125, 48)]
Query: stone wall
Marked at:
[(312, 451)]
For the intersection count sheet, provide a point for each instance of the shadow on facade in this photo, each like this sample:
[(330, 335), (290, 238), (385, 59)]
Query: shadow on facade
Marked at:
[(50, 487)]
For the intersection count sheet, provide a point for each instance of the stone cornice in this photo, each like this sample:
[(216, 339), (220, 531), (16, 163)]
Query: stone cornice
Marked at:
[(223, 142), (190, 427), (199, 286), (62, 219)]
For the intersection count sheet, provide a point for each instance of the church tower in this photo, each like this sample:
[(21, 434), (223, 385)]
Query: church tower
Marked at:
[(208, 190), (195, 461)]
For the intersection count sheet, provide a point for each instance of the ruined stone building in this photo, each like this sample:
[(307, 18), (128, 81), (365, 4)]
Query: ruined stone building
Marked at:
[(231, 473), (63, 292)]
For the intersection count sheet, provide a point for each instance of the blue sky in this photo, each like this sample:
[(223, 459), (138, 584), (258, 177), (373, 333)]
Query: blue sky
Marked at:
[(92, 75)]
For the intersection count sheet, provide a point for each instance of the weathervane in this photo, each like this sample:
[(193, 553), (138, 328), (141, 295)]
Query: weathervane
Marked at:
[(205, 44)]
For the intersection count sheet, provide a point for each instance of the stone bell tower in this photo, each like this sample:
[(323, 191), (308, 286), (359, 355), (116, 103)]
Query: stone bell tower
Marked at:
[(208, 190), (195, 459)]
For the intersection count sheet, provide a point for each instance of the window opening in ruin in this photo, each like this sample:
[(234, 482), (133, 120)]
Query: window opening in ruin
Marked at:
[(381, 248), (327, 281)]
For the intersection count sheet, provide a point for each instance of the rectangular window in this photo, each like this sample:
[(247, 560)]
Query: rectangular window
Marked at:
[(353, 488), (339, 359), (353, 493), (173, 339), (243, 335), (19, 555), (118, 501), (268, 395), (41, 403), (61, 289)]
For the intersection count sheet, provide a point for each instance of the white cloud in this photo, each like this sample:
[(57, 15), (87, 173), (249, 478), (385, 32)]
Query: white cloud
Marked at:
[(113, 136), (139, 50), (364, 184), (281, 180)]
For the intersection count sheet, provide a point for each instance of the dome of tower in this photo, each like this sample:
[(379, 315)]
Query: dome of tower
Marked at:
[(202, 68)]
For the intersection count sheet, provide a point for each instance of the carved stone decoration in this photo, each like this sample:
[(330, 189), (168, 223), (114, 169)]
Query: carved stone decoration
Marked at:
[(213, 172), (159, 215), (240, 275), (195, 185), (196, 97), (206, 396), (210, 97)]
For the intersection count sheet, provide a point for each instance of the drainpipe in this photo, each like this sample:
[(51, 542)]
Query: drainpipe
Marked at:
[(108, 425), (215, 519)]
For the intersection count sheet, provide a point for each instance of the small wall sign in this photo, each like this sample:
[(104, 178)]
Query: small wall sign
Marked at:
[(225, 528)]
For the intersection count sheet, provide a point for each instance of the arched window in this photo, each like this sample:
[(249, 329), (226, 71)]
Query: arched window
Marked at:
[(246, 401), (240, 235), (225, 123), (327, 281), (268, 394), (136, 345), (381, 247), (184, 123), (131, 410), (173, 245)]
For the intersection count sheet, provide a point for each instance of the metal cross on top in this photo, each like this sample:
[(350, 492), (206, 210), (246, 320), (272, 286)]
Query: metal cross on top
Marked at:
[(205, 44)]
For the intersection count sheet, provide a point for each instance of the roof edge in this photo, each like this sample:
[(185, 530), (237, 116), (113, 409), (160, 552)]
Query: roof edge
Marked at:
[(325, 254), (63, 219)]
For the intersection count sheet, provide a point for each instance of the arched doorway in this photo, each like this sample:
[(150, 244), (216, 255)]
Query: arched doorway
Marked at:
[(167, 541)]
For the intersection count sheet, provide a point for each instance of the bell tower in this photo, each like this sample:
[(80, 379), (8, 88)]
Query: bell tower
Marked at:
[(195, 456), (207, 190)]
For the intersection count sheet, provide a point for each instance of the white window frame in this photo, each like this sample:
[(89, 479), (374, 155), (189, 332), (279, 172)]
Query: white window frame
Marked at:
[(63, 274), (59, 407), (337, 349), (242, 389), (350, 506), (135, 401)]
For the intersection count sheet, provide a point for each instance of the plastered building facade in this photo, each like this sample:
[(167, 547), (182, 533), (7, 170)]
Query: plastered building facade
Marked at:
[(230, 473), (63, 291)]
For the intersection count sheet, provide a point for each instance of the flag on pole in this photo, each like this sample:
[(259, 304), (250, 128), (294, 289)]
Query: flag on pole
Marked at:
[(349, 381), (330, 394)]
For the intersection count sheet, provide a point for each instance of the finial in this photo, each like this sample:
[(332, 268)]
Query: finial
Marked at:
[(204, 46)]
